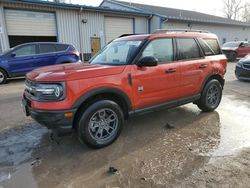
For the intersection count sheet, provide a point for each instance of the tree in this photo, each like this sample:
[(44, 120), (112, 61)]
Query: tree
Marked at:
[(232, 9), (246, 13)]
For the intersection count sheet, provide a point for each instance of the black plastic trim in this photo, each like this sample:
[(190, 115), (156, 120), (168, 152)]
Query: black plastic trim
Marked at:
[(103, 90), (166, 105)]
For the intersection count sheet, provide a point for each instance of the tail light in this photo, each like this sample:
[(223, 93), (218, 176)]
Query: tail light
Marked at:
[(74, 53)]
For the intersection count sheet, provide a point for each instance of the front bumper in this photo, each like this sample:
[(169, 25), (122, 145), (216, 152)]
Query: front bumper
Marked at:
[(54, 120), (242, 73)]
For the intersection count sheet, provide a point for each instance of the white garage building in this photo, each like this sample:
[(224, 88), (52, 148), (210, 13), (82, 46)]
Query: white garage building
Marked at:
[(87, 28), (90, 28), (169, 18)]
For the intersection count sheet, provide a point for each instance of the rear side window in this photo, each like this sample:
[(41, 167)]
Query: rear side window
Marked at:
[(206, 48), (188, 49), (162, 49), (214, 45), (61, 47), (46, 48)]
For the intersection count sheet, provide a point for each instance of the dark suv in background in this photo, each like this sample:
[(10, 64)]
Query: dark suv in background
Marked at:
[(26, 57)]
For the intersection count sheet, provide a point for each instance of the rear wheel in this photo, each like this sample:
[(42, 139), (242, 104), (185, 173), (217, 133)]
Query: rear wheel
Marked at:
[(100, 124), (210, 96), (3, 76), (232, 56)]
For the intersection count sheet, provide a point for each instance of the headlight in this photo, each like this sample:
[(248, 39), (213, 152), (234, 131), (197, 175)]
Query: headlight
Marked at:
[(40, 92), (48, 91), (239, 64)]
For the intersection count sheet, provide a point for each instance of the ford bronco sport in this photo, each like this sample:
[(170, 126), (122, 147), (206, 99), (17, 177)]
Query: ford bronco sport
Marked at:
[(131, 75)]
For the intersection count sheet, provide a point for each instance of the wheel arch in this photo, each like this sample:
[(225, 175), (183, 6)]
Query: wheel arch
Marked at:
[(7, 73), (211, 77), (112, 94)]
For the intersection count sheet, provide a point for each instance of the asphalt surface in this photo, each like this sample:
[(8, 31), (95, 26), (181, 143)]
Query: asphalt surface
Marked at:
[(200, 150)]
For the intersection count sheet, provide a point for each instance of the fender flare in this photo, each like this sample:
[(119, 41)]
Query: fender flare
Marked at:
[(103, 90), (208, 78)]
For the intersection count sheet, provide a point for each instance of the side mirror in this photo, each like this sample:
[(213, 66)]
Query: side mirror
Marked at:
[(148, 61), (13, 54)]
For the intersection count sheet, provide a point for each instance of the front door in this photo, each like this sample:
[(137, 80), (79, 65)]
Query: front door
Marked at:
[(95, 45), (22, 60), (158, 84)]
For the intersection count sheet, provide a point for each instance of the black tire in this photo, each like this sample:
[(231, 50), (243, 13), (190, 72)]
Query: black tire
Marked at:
[(232, 56), (3, 77), (90, 117), (210, 101)]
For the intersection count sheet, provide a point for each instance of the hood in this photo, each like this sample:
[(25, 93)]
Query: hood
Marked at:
[(72, 71), (229, 48), (245, 59)]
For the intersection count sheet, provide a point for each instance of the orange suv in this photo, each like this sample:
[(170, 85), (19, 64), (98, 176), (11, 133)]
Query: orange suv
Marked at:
[(131, 75)]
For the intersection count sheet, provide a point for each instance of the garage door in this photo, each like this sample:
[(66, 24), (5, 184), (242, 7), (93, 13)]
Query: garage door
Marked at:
[(30, 23), (115, 27)]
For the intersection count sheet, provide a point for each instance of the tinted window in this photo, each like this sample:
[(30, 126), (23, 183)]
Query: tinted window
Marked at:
[(26, 50), (187, 49), (47, 48), (214, 45), (61, 47), (162, 49), (205, 48)]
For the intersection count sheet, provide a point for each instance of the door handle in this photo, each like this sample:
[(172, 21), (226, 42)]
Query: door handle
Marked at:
[(171, 70), (203, 66)]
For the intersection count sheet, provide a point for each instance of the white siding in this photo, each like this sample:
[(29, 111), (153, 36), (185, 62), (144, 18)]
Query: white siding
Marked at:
[(30, 23), (4, 43), (230, 33), (68, 27), (141, 25), (93, 28), (155, 23)]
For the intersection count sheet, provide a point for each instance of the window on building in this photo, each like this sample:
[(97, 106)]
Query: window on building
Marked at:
[(162, 49), (187, 49), (26, 50), (214, 45), (46, 48)]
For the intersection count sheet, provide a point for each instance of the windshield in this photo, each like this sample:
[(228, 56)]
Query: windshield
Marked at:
[(231, 44), (117, 53)]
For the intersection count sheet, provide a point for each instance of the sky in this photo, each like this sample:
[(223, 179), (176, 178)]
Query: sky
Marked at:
[(214, 7)]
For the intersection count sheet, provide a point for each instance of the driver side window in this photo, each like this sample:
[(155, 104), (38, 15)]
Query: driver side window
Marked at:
[(162, 49)]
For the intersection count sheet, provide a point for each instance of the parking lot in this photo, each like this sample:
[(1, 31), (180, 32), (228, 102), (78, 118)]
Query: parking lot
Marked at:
[(202, 150)]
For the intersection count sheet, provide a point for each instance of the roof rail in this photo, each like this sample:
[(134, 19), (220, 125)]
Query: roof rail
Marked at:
[(179, 30)]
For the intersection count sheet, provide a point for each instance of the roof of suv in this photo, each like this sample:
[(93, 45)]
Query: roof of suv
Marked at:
[(168, 34)]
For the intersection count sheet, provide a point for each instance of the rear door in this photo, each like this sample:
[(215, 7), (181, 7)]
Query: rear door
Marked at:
[(194, 67), (46, 55), (158, 84), (23, 60)]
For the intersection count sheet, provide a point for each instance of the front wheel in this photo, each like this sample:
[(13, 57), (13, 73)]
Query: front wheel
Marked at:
[(100, 124), (210, 96), (232, 56), (3, 77)]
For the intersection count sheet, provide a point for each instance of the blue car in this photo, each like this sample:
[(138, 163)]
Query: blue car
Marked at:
[(26, 57)]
